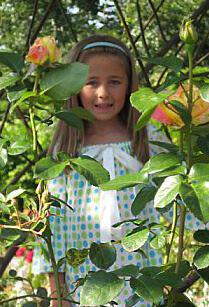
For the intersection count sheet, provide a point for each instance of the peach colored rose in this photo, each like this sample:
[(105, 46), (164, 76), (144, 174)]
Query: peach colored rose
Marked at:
[(167, 115), (44, 49)]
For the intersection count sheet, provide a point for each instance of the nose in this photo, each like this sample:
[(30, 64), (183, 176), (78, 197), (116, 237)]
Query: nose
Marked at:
[(103, 91)]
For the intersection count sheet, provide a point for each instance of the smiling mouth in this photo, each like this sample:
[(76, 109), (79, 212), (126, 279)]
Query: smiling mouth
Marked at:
[(103, 105)]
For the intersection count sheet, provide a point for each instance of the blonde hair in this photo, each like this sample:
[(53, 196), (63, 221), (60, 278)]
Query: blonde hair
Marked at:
[(71, 140)]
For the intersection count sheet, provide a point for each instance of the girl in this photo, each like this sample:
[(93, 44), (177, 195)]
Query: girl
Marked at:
[(110, 139)]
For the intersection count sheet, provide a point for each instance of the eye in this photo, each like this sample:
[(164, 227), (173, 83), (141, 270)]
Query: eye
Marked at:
[(115, 82), (91, 83)]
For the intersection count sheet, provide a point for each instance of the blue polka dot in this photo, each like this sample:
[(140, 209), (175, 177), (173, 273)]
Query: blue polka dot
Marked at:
[(59, 253), (78, 236), (65, 227), (82, 270), (70, 201), (122, 172), (59, 237), (75, 192), (189, 217), (61, 190), (54, 181), (81, 184), (130, 257), (73, 227), (96, 191), (78, 219), (85, 243), (96, 226), (126, 206), (51, 219), (57, 220), (171, 213), (76, 176), (197, 223), (132, 196), (62, 211), (91, 235), (150, 210), (83, 226), (80, 201), (118, 198), (71, 286), (74, 244), (121, 250), (89, 218), (96, 208), (160, 260), (152, 253), (88, 200), (138, 264)]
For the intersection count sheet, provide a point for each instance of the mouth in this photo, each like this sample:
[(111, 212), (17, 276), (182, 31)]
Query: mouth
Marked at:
[(103, 105)]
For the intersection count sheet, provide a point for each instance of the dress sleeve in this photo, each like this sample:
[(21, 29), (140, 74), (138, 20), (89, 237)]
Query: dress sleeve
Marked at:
[(59, 227)]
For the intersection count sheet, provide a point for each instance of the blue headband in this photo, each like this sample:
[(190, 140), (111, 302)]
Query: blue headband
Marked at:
[(104, 44)]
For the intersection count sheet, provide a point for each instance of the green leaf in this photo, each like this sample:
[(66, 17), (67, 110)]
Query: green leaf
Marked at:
[(148, 288), (133, 221), (158, 242), (100, 288), (12, 59), (128, 180), (4, 208), (203, 144), (171, 62), (91, 169), (202, 192), (168, 191), (76, 257), (204, 92), (7, 80), (143, 119), (199, 172), (70, 119), (17, 148), (174, 170), (41, 292), (3, 157), (24, 97), (202, 235), (181, 110), (135, 239), (204, 273), (82, 113), (201, 258), (63, 82), (145, 195), (170, 147), (162, 162), (47, 168), (190, 199), (15, 95), (139, 99), (14, 194), (168, 279), (129, 270), (103, 255)]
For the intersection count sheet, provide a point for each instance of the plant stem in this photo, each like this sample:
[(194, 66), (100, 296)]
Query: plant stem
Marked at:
[(55, 271), (189, 49), (32, 120), (173, 230)]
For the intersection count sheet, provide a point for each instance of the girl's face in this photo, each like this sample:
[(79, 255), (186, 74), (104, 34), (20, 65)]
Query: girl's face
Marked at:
[(105, 91)]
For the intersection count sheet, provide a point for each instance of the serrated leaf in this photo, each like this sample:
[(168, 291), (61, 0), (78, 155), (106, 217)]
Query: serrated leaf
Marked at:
[(128, 180), (100, 288), (148, 288), (190, 199), (135, 239), (144, 196), (168, 191), (76, 257), (47, 168), (201, 258), (127, 270), (14, 194), (12, 59), (70, 119), (163, 161), (91, 169), (63, 82), (171, 62), (199, 172), (202, 235), (103, 255), (7, 80)]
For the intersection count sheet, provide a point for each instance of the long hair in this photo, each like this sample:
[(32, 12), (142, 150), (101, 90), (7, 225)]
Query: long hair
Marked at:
[(71, 140)]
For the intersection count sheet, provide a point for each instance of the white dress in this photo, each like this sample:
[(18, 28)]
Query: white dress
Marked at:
[(91, 220)]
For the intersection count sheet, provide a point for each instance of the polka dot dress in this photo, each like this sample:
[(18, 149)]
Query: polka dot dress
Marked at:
[(78, 229)]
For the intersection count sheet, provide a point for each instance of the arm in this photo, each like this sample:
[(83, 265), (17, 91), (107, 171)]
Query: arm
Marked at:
[(53, 289)]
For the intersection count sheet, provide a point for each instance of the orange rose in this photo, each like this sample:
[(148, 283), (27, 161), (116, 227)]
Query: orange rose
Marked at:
[(166, 113), (44, 49)]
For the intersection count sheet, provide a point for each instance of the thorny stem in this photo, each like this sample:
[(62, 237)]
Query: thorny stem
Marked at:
[(189, 158), (173, 230)]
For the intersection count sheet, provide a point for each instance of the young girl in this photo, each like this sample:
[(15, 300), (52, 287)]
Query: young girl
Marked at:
[(110, 139)]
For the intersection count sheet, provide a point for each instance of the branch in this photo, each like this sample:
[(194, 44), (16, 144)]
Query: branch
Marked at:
[(43, 20), (189, 281), (35, 6), (141, 28), (132, 42), (157, 19), (150, 19), (6, 113), (67, 20)]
